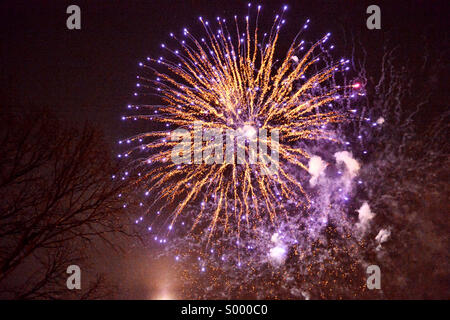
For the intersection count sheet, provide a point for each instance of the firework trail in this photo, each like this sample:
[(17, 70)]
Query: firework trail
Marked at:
[(297, 227), (231, 81), (312, 229)]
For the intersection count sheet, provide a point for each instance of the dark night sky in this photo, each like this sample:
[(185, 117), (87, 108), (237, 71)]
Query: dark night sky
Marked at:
[(89, 73)]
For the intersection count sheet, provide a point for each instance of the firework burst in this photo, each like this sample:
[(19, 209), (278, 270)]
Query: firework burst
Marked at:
[(231, 80)]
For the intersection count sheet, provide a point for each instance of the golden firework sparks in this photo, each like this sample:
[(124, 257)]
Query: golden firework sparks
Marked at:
[(232, 81)]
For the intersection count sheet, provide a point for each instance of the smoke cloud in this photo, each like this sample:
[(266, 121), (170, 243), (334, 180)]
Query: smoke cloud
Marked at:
[(316, 168), (364, 216)]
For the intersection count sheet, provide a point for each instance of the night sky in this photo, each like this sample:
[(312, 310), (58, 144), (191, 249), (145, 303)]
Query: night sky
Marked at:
[(90, 73)]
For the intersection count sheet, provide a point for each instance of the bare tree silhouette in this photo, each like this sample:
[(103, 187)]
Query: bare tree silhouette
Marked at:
[(57, 200)]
